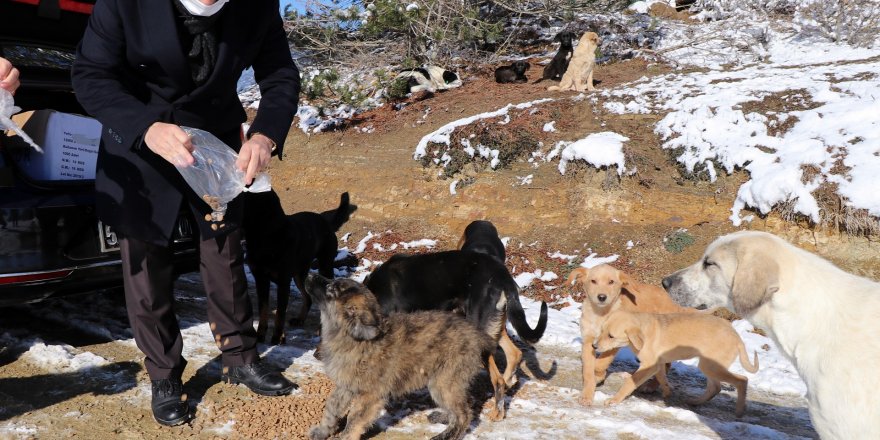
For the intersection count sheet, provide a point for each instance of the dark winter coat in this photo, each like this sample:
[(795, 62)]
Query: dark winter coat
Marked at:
[(131, 71)]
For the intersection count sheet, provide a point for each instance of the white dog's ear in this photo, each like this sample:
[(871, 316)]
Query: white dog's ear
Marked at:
[(577, 274), (755, 281), (636, 337)]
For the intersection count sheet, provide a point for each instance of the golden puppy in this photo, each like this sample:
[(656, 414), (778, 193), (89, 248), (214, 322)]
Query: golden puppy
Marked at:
[(607, 290), (371, 358), (579, 76), (659, 339)]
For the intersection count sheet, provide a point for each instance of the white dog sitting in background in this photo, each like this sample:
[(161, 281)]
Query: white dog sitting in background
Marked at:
[(579, 75), (430, 78), (825, 320)]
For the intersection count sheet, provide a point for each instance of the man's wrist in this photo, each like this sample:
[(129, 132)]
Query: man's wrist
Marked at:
[(260, 137)]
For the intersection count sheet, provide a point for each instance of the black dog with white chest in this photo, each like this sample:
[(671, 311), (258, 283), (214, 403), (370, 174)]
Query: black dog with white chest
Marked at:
[(281, 248), (514, 73), (559, 64)]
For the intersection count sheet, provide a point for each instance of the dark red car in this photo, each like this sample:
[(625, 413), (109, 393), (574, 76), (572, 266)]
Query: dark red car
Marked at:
[(51, 242)]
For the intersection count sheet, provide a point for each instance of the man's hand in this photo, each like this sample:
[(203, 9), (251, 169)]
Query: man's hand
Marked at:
[(8, 76), (170, 142), (254, 156)]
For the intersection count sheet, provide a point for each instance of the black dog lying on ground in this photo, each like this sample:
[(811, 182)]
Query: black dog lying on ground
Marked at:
[(471, 282), (482, 236), (282, 247), (559, 64), (514, 73)]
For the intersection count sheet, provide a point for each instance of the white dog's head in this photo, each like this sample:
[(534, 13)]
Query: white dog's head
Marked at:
[(738, 271)]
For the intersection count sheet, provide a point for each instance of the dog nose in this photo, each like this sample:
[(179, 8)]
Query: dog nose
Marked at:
[(602, 297), (666, 282)]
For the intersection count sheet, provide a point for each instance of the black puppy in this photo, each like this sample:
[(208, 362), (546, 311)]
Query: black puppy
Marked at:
[(475, 283), (559, 64), (481, 236), (514, 73), (281, 248)]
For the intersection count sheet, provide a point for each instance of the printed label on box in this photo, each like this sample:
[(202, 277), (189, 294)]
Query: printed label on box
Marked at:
[(70, 146)]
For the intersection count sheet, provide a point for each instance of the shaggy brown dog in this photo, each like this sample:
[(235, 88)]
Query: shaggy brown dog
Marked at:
[(371, 358), (579, 76)]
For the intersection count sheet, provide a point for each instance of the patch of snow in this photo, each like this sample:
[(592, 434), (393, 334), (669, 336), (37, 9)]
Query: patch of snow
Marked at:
[(603, 149), (425, 242), (550, 127), (442, 134), (362, 245), (838, 128), (527, 180)]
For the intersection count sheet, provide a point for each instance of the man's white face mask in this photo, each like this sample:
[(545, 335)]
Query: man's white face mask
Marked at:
[(196, 7)]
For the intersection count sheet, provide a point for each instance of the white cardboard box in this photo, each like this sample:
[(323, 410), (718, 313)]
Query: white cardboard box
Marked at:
[(69, 142)]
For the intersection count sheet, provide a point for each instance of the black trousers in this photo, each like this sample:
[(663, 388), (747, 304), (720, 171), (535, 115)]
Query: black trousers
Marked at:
[(149, 299)]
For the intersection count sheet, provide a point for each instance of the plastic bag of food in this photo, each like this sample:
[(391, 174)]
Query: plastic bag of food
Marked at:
[(7, 109), (214, 176)]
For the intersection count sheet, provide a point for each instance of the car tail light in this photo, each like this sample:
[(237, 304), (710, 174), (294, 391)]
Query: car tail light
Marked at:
[(34, 276), (65, 5)]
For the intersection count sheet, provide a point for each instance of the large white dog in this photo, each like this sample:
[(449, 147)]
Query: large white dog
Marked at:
[(825, 320)]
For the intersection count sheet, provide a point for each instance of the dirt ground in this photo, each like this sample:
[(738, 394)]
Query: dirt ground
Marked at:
[(584, 211)]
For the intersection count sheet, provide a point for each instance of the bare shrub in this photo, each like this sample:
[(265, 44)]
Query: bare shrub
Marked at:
[(856, 22)]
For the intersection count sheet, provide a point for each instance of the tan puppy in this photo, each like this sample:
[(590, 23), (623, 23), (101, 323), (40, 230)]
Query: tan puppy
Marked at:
[(607, 290), (579, 76), (659, 339), (373, 357)]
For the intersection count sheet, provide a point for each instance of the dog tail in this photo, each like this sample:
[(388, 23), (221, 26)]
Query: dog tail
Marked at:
[(744, 359), (517, 316), (340, 215)]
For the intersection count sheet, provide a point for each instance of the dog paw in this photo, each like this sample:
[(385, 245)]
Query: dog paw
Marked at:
[(511, 381), (319, 433), (586, 400), (495, 415), (439, 417), (611, 401)]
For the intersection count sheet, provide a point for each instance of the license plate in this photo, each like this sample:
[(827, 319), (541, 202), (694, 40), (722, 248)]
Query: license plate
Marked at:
[(107, 238)]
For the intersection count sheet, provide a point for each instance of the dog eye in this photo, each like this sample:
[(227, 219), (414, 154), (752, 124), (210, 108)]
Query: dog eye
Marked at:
[(593, 281), (707, 263), (610, 281)]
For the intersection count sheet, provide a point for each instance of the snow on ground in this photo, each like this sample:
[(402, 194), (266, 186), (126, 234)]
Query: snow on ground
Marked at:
[(603, 149), (443, 134), (535, 408), (830, 136)]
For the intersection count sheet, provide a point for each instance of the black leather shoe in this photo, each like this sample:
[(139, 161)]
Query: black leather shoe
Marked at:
[(259, 378), (168, 407)]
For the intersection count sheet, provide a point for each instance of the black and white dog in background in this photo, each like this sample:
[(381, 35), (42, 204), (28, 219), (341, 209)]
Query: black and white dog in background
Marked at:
[(430, 78)]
